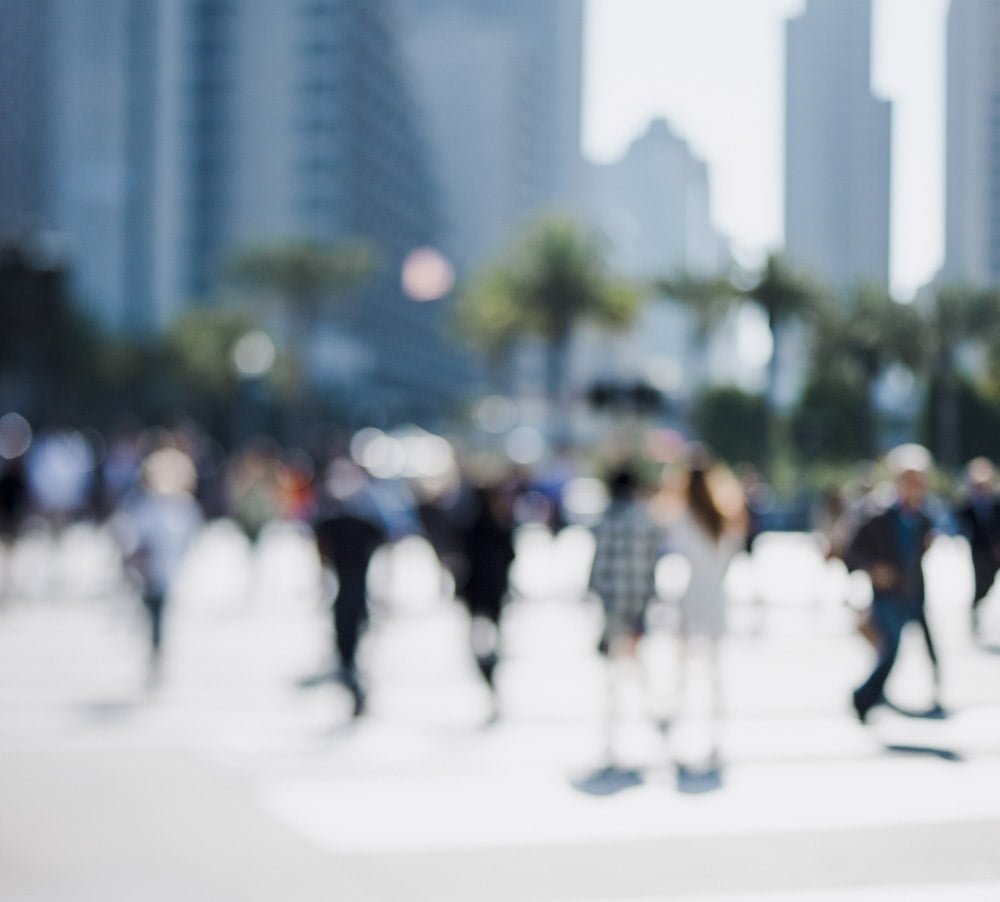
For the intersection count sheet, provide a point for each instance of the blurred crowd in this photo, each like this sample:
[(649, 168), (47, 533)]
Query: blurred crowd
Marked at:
[(155, 489)]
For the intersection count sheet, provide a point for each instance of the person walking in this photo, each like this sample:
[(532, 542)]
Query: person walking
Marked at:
[(487, 543), (890, 546), (348, 530), (979, 521), (156, 525)]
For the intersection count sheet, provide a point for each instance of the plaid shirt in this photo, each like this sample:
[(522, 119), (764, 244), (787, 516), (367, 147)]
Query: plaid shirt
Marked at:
[(628, 545)]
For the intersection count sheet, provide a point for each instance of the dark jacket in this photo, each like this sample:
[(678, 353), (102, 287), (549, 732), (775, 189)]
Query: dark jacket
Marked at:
[(879, 540), (983, 532)]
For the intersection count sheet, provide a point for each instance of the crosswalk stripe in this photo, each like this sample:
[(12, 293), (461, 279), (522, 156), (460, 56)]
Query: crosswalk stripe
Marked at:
[(411, 813)]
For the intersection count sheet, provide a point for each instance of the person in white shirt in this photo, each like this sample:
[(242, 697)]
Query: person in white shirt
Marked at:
[(709, 533), (156, 526)]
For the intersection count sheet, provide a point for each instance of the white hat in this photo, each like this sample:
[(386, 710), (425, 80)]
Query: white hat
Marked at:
[(909, 458), (169, 472)]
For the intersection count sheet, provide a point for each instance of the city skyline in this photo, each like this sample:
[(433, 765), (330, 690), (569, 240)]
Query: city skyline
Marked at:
[(648, 59)]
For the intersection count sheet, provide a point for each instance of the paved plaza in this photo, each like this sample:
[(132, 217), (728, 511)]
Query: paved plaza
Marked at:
[(229, 782)]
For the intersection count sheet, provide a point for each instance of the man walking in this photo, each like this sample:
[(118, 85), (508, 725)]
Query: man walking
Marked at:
[(890, 547)]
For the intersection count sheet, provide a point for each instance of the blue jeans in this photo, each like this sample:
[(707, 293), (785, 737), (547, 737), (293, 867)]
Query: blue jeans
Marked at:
[(890, 615)]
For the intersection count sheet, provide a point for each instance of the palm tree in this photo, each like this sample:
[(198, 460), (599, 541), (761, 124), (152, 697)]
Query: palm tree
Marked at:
[(784, 294), (305, 277), (855, 339), (709, 298), (554, 278), (957, 316)]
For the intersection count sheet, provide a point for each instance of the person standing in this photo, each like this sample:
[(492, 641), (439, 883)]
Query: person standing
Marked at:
[(709, 533), (890, 546), (979, 521), (627, 546)]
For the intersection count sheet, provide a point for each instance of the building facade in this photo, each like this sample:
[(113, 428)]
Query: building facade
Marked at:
[(972, 149), (182, 131), (25, 94), (652, 205), (499, 86), (837, 147)]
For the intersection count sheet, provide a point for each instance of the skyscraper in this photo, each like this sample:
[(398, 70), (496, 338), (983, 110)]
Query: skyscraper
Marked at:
[(500, 87), (972, 150), (653, 207), (182, 132), (25, 93), (837, 146)]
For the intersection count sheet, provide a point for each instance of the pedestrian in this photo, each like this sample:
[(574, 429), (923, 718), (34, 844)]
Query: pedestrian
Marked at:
[(156, 525), (979, 521), (348, 530), (487, 553), (627, 546), (890, 546), (14, 498), (710, 531)]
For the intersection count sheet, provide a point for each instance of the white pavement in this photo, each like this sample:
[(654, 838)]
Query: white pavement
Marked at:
[(229, 782)]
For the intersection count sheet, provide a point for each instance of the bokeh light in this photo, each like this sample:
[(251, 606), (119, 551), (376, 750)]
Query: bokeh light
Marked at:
[(254, 354), (427, 275), (525, 445), (15, 436), (496, 414)]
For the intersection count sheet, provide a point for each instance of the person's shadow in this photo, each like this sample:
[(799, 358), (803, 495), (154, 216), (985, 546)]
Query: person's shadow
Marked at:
[(107, 711), (608, 781), (927, 751), (935, 712), (699, 780)]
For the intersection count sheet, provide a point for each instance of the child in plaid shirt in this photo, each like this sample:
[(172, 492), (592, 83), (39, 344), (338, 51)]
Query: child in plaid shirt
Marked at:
[(628, 546)]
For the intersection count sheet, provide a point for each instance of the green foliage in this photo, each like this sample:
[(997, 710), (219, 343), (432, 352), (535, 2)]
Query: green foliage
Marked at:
[(869, 330), (199, 346), (783, 292), (304, 273), (734, 424), (977, 421), (834, 421), (554, 277), (710, 298)]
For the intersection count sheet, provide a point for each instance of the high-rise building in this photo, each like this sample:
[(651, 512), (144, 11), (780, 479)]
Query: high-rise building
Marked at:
[(499, 85), (837, 146), (653, 207), (972, 150), (181, 131), (25, 82)]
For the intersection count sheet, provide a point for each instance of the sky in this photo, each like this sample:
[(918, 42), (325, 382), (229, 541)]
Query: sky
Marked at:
[(715, 70)]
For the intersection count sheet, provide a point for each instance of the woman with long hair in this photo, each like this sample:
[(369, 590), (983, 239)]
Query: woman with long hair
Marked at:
[(709, 533)]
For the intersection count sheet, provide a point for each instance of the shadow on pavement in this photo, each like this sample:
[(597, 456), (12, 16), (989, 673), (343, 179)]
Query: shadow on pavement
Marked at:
[(698, 780), (929, 751), (609, 781), (935, 712), (107, 710)]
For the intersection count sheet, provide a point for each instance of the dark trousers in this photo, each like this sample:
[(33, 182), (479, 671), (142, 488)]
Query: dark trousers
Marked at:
[(350, 615), (890, 617), (155, 603), (985, 567)]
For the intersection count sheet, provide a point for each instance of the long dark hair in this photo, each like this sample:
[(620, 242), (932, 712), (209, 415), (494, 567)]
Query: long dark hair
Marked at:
[(702, 503)]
